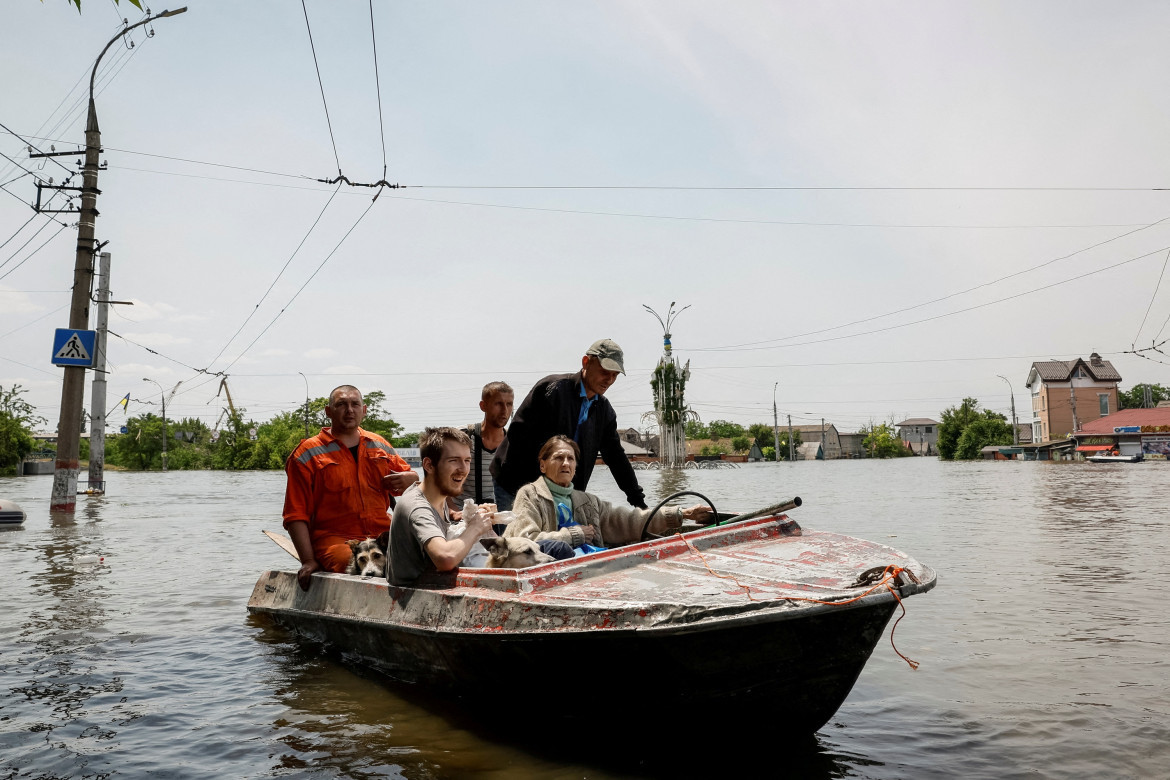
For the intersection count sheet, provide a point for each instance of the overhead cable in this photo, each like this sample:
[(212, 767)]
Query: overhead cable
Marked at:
[(1152, 297), (321, 84), (378, 89), (302, 287), (944, 314), (734, 347), (276, 279)]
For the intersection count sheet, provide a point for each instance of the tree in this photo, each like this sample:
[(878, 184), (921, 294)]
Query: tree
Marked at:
[(760, 431), (696, 430), (882, 441), (136, 3), (723, 429), (140, 447), (955, 420), (981, 433), (17, 419), (741, 443), (1134, 398), (378, 420)]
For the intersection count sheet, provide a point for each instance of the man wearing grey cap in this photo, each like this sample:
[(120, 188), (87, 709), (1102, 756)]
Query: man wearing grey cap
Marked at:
[(573, 405)]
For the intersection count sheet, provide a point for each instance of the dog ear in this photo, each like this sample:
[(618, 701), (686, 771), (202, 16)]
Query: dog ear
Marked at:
[(384, 541), (495, 545), (353, 545)]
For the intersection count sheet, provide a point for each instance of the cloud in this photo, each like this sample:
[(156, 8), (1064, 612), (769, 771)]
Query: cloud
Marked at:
[(320, 352), (17, 302)]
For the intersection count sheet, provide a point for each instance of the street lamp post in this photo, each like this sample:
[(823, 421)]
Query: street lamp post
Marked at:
[(163, 396), (64, 496), (1015, 428), (775, 423), (306, 403)]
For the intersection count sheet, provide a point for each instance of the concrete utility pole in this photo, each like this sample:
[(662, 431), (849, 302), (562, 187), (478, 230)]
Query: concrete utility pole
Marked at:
[(1072, 391), (64, 498), (775, 423), (1015, 428), (97, 406), (791, 443), (824, 455), (162, 395)]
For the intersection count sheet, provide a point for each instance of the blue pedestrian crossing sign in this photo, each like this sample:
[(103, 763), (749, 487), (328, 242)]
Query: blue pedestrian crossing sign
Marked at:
[(74, 347)]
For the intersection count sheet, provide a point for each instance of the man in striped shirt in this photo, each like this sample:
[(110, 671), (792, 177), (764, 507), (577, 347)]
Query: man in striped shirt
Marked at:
[(496, 402)]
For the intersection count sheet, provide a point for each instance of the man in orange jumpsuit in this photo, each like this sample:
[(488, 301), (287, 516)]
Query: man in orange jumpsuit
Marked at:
[(339, 487)]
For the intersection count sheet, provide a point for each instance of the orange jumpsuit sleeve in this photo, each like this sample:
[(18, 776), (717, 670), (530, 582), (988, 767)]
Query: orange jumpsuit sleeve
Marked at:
[(298, 492)]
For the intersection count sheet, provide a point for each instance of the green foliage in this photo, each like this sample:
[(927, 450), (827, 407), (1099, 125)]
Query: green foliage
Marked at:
[(715, 449), (406, 439), (882, 441), (234, 448), (17, 419), (955, 421), (741, 443), (760, 431), (696, 430), (723, 429), (672, 382), (767, 446), (378, 420), (981, 433), (1134, 398), (136, 3)]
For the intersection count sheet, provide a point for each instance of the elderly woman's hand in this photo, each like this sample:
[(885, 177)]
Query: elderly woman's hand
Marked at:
[(590, 533), (700, 513)]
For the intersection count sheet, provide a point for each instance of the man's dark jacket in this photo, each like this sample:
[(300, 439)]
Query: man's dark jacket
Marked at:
[(553, 406)]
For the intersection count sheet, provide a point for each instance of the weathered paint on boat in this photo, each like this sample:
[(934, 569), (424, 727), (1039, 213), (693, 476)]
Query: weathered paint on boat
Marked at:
[(719, 622)]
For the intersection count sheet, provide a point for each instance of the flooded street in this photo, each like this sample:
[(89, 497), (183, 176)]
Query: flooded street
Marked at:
[(127, 650)]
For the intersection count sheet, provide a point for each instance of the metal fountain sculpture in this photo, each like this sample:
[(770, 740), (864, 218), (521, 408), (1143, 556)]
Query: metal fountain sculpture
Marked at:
[(671, 412)]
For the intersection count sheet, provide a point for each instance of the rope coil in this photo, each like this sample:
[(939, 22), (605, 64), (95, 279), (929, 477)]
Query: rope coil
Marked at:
[(887, 577)]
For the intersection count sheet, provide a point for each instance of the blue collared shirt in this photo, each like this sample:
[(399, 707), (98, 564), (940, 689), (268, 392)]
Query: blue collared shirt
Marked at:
[(586, 402)]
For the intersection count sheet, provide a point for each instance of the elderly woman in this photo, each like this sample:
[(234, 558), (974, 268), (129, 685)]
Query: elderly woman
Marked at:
[(550, 508)]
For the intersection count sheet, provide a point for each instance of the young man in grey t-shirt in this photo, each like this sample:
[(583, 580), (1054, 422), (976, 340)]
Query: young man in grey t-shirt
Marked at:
[(418, 528)]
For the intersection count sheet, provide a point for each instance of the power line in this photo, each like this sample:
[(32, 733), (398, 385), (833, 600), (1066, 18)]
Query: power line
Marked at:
[(378, 89), (1152, 297), (26, 259), (33, 322), (302, 287), (274, 281), (733, 347), (321, 84), (766, 188), (945, 314)]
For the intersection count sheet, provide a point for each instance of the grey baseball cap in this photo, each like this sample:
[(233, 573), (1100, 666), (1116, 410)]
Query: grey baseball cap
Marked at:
[(608, 353)]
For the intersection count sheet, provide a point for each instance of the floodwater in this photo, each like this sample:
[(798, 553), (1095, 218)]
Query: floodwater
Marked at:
[(1044, 650)]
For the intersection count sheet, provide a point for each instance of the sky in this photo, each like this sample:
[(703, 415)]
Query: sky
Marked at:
[(872, 209)]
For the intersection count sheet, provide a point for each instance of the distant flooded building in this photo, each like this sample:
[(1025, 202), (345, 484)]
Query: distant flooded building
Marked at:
[(1066, 394), (920, 434), (852, 445), (824, 436)]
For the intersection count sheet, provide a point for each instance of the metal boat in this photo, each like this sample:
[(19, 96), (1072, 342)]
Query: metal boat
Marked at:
[(756, 618), (1114, 458)]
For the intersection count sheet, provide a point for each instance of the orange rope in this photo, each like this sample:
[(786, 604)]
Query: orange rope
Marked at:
[(889, 574)]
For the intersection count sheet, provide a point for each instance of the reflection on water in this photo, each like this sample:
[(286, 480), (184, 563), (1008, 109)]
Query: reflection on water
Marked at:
[(1043, 648)]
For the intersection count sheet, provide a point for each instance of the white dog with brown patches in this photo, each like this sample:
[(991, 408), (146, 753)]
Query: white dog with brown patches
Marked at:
[(369, 556)]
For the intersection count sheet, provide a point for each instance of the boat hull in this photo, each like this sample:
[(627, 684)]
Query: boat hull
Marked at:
[(754, 622)]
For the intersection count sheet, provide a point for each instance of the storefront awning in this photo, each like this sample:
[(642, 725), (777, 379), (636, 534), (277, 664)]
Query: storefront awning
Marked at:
[(1094, 447)]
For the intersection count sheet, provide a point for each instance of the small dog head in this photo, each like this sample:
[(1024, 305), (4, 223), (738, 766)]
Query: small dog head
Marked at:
[(513, 552), (369, 556)]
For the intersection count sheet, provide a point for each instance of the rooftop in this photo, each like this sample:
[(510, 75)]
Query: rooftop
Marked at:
[(916, 421), (1105, 425), (1060, 370)]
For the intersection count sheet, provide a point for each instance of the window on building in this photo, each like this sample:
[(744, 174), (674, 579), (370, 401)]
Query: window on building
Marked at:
[(1079, 373), (930, 429), (1103, 403)]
